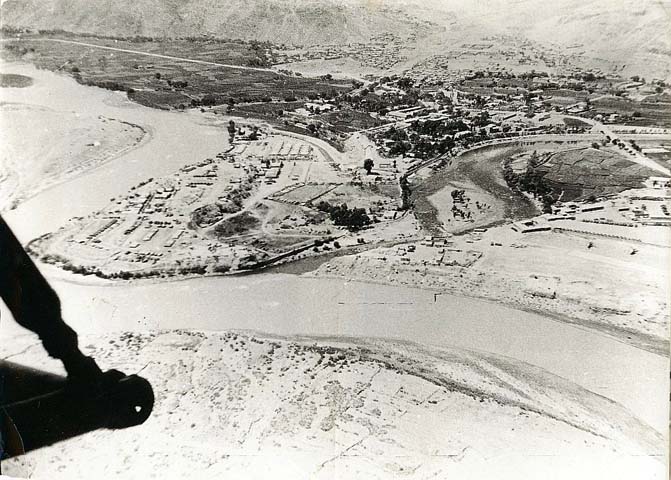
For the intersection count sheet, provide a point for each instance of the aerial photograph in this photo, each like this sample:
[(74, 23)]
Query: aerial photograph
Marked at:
[(335, 239)]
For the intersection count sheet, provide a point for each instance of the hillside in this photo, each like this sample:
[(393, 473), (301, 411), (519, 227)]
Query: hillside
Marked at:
[(631, 35), (303, 22)]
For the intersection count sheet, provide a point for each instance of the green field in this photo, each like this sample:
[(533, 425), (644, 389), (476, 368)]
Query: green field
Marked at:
[(169, 83), (647, 113), (10, 80), (584, 172)]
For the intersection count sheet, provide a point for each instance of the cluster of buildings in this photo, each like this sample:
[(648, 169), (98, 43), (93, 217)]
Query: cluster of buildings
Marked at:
[(381, 52)]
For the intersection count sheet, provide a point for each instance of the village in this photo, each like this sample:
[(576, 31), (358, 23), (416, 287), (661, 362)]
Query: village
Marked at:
[(272, 196), (318, 239), (266, 198)]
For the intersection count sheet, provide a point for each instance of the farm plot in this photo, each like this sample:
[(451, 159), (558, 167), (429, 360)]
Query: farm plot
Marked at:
[(135, 72), (359, 197), (583, 172), (303, 194)]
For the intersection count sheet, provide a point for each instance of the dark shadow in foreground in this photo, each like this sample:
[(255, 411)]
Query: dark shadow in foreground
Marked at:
[(40, 408)]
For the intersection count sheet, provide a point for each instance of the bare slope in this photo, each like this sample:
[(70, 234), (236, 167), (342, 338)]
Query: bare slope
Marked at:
[(281, 21), (233, 405), (633, 34)]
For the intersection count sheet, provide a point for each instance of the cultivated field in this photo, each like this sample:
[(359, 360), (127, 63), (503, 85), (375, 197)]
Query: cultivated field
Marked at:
[(580, 173), (169, 82)]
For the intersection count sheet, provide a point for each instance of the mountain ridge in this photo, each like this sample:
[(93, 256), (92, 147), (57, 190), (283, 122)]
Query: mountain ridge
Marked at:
[(632, 32)]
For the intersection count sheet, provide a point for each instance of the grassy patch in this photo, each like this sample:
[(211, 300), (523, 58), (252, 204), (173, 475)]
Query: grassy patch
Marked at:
[(237, 225), (12, 80), (166, 82), (349, 120), (581, 173)]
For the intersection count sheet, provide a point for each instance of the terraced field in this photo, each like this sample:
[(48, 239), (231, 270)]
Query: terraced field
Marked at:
[(580, 173)]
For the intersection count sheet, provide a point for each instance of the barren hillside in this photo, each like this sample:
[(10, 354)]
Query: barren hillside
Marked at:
[(631, 34), (302, 22)]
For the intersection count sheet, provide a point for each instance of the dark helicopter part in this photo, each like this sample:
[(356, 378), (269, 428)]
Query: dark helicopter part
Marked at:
[(46, 408), (39, 408)]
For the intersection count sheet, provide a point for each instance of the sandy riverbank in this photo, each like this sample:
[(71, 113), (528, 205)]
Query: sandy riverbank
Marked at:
[(235, 403), (90, 114), (41, 147), (605, 287)]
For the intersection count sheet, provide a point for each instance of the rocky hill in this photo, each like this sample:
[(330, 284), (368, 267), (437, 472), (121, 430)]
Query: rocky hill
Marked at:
[(632, 34), (302, 22)]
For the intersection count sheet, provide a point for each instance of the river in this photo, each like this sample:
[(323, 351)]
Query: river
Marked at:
[(175, 139), (290, 304)]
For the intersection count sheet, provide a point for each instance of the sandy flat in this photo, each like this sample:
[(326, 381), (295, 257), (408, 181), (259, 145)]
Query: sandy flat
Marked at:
[(78, 117), (241, 404), (40, 147)]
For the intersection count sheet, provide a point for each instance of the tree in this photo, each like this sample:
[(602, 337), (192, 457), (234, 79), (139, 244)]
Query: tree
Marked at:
[(405, 192), (231, 131), (533, 162), (255, 134), (342, 215), (209, 100), (368, 165)]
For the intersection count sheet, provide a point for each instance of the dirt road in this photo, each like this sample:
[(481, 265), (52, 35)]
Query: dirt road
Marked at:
[(158, 55)]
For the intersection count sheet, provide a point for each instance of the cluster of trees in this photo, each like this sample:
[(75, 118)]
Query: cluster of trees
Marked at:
[(424, 139), (178, 83), (106, 84), (438, 128), (125, 275), (343, 216), (368, 101), (259, 52), (206, 215), (458, 195), (400, 142), (67, 265), (531, 181)]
